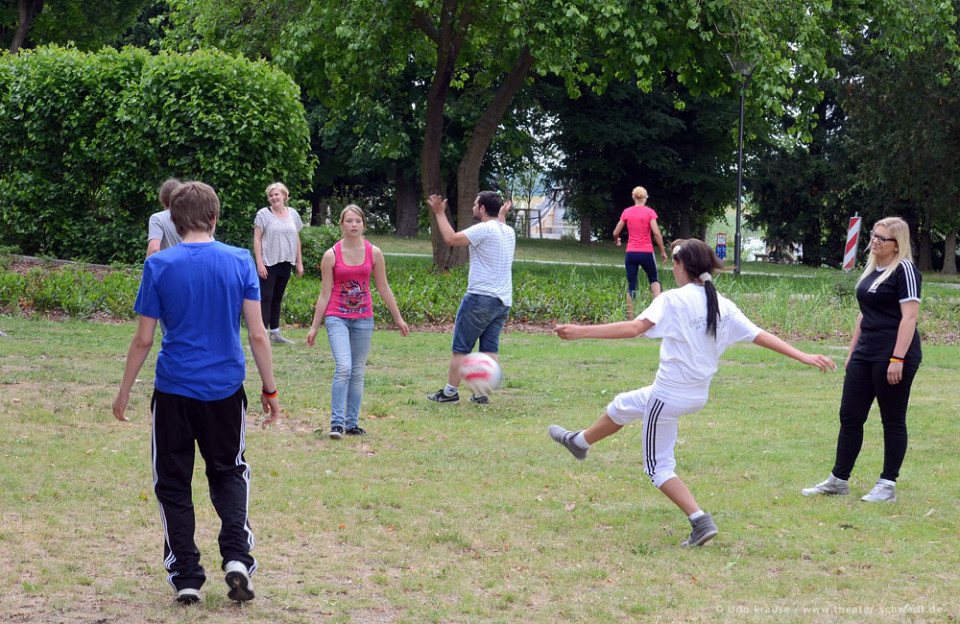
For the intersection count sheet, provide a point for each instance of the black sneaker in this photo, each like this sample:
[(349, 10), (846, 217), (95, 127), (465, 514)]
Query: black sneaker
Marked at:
[(440, 397), (356, 431), (336, 432), (479, 399)]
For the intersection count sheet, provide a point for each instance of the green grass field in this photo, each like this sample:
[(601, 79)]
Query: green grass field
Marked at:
[(465, 513)]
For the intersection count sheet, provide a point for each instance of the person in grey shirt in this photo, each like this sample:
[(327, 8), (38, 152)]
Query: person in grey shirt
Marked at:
[(161, 233)]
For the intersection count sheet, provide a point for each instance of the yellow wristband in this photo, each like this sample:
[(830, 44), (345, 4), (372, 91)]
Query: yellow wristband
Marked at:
[(896, 359)]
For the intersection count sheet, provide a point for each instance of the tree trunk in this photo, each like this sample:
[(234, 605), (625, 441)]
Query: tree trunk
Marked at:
[(950, 253), (448, 49), (685, 229), (408, 208), (468, 174), (924, 257), (585, 230), (27, 10)]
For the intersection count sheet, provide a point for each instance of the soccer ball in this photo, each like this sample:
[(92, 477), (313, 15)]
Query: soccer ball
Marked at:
[(480, 373)]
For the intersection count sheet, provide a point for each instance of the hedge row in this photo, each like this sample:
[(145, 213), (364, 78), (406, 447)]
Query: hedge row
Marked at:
[(88, 138)]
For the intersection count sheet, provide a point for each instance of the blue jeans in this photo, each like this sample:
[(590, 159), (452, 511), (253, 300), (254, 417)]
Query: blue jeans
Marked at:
[(350, 344), (480, 317)]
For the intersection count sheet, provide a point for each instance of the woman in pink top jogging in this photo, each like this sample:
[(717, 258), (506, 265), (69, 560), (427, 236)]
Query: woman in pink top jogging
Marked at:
[(346, 304), (641, 222)]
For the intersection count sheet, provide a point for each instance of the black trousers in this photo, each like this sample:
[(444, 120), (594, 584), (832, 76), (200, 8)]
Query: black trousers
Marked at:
[(865, 381), (217, 428), (271, 293)]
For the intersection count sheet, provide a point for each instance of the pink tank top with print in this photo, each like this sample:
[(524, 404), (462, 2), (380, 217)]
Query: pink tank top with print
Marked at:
[(351, 286)]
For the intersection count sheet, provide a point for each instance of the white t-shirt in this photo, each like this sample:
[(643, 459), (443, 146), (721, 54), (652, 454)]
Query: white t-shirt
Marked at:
[(161, 227), (688, 355), (491, 260), (280, 236)]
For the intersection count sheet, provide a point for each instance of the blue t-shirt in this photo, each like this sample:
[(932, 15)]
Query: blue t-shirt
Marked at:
[(197, 290)]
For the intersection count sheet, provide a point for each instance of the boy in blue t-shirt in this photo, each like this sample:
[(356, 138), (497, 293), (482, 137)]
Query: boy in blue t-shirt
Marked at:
[(199, 289)]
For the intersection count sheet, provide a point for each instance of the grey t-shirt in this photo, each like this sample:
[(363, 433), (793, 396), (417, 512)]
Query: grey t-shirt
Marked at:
[(161, 228)]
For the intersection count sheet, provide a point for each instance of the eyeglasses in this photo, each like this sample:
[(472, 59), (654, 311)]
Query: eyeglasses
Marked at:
[(882, 239)]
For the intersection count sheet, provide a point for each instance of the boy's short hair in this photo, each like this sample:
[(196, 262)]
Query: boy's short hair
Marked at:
[(167, 189), (193, 208), (490, 202)]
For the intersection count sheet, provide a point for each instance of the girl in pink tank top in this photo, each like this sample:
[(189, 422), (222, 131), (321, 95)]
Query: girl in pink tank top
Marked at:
[(345, 304)]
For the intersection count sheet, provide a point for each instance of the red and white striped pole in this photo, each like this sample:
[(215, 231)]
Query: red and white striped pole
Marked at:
[(853, 236)]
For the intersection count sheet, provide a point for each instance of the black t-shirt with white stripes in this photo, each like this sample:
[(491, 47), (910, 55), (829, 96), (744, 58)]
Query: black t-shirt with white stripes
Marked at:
[(880, 307)]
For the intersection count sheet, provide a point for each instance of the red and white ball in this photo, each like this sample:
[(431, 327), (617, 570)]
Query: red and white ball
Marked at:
[(480, 373)]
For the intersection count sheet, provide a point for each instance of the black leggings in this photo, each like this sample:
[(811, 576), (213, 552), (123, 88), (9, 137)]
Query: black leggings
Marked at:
[(271, 293), (864, 382), (633, 261)]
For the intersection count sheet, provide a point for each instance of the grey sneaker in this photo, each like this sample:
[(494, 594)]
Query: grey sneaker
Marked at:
[(440, 397), (831, 487), (336, 432), (479, 399), (277, 338), (703, 529), (188, 596), (238, 580), (565, 438), (882, 493)]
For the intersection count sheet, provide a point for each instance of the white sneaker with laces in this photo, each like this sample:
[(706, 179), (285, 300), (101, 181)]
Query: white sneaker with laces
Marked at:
[(238, 580), (831, 487), (883, 492)]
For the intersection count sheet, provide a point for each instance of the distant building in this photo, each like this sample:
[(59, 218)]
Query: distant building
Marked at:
[(546, 217)]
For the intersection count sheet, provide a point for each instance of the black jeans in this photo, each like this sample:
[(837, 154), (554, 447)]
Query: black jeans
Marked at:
[(271, 293), (864, 382)]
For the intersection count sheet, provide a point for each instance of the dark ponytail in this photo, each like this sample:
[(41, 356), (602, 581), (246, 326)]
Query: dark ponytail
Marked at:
[(700, 263)]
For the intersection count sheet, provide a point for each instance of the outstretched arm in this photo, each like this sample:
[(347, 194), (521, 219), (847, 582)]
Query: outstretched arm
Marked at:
[(769, 341), (439, 206), (612, 331)]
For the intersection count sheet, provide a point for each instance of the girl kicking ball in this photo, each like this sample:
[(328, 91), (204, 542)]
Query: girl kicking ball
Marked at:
[(696, 325)]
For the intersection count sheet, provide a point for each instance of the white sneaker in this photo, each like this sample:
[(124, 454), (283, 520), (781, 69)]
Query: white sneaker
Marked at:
[(277, 338), (238, 580), (831, 487), (883, 492)]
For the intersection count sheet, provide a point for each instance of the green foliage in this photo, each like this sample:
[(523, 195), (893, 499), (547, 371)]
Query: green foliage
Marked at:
[(88, 138), (314, 241)]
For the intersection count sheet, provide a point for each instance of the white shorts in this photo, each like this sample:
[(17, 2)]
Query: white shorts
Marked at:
[(660, 421)]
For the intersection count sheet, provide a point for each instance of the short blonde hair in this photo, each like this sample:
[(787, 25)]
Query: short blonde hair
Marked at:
[(639, 194), (355, 209), (281, 186)]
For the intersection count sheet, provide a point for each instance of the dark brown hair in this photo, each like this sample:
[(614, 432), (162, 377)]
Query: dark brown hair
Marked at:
[(193, 208), (167, 189), (699, 258)]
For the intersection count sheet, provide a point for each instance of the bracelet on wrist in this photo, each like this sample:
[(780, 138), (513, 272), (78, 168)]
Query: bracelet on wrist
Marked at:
[(896, 359), (269, 395)]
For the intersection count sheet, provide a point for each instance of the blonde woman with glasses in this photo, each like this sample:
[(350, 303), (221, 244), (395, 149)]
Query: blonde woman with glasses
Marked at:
[(883, 358)]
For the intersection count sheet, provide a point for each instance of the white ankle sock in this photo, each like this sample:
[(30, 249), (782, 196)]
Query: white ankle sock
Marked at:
[(696, 515), (450, 390), (580, 442)]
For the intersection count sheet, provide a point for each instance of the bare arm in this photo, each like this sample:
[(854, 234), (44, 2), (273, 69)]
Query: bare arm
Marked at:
[(153, 246), (139, 349), (380, 276), (655, 230), (455, 239), (326, 291), (617, 230), (299, 257), (260, 346), (258, 252), (502, 216), (612, 331), (769, 341), (910, 311)]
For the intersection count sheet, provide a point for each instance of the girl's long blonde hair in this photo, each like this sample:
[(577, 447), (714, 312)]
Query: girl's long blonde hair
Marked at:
[(900, 232)]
